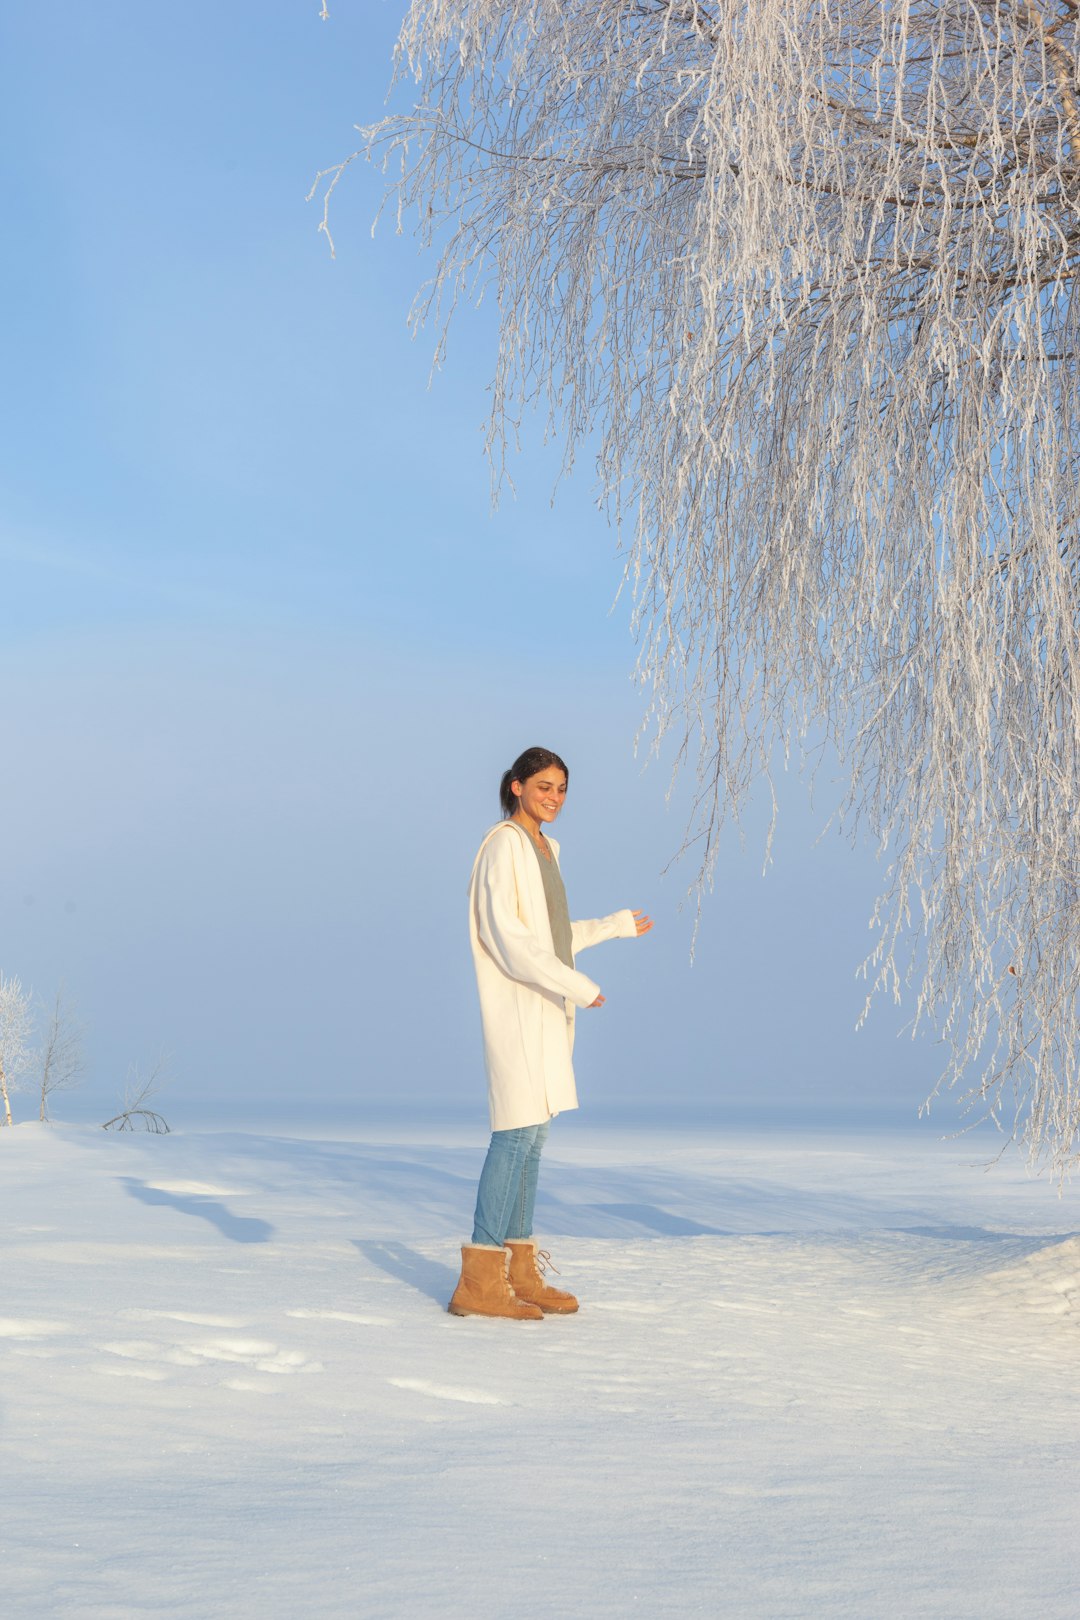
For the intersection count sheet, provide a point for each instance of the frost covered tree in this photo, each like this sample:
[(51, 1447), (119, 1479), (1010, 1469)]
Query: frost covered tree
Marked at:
[(16, 1026), (803, 273), (61, 1056)]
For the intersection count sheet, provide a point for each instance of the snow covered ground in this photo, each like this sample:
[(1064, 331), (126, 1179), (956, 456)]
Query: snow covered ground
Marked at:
[(812, 1376)]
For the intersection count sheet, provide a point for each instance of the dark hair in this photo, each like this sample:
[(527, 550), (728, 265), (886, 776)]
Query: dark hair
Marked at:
[(526, 765)]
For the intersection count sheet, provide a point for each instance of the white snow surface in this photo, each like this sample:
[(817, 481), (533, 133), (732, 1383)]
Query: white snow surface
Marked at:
[(816, 1375)]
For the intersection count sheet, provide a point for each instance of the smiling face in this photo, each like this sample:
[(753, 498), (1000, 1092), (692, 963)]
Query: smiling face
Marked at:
[(541, 797)]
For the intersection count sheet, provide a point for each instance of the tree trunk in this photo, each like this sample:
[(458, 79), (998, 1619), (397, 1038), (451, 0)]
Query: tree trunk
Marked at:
[(4, 1094)]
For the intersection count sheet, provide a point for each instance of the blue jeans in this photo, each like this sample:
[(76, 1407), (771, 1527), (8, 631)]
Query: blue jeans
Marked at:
[(507, 1190)]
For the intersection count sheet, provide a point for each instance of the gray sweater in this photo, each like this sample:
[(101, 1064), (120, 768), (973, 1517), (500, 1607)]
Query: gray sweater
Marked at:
[(558, 911)]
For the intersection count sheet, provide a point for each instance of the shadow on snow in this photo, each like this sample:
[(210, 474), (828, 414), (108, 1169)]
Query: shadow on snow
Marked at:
[(238, 1228), (428, 1277)]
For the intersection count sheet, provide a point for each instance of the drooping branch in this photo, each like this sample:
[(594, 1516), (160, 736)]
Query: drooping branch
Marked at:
[(807, 273)]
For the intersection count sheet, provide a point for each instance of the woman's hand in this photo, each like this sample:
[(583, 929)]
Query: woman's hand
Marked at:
[(599, 1002), (642, 923)]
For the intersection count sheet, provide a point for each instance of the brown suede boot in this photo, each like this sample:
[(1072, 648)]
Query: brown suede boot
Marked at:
[(527, 1267), (484, 1288)]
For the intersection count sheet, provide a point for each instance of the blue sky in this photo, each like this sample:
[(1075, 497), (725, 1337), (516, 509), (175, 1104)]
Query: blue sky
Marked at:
[(267, 650)]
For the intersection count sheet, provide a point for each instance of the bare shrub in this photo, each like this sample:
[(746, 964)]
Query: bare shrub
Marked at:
[(135, 1114)]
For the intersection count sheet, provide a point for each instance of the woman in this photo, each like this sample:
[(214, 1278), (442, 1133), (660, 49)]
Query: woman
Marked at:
[(523, 946)]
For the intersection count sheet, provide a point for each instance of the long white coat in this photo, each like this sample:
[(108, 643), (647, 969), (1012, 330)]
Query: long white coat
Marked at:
[(527, 996)]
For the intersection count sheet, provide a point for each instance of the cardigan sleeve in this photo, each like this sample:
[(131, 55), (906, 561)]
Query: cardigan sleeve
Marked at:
[(620, 925), (513, 946)]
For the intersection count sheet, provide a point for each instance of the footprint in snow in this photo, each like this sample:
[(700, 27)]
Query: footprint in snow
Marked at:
[(135, 1314), (154, 1375), (342, 1316), (152, 1359), (447, 1392), (17, 1327), (633, 1307)]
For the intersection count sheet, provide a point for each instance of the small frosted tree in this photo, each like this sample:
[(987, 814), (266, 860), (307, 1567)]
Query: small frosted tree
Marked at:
[(16, 1028), (61, 1056), (806, 271)]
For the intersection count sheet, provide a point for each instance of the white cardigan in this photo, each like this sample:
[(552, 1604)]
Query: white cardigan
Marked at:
[(527, 996)]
